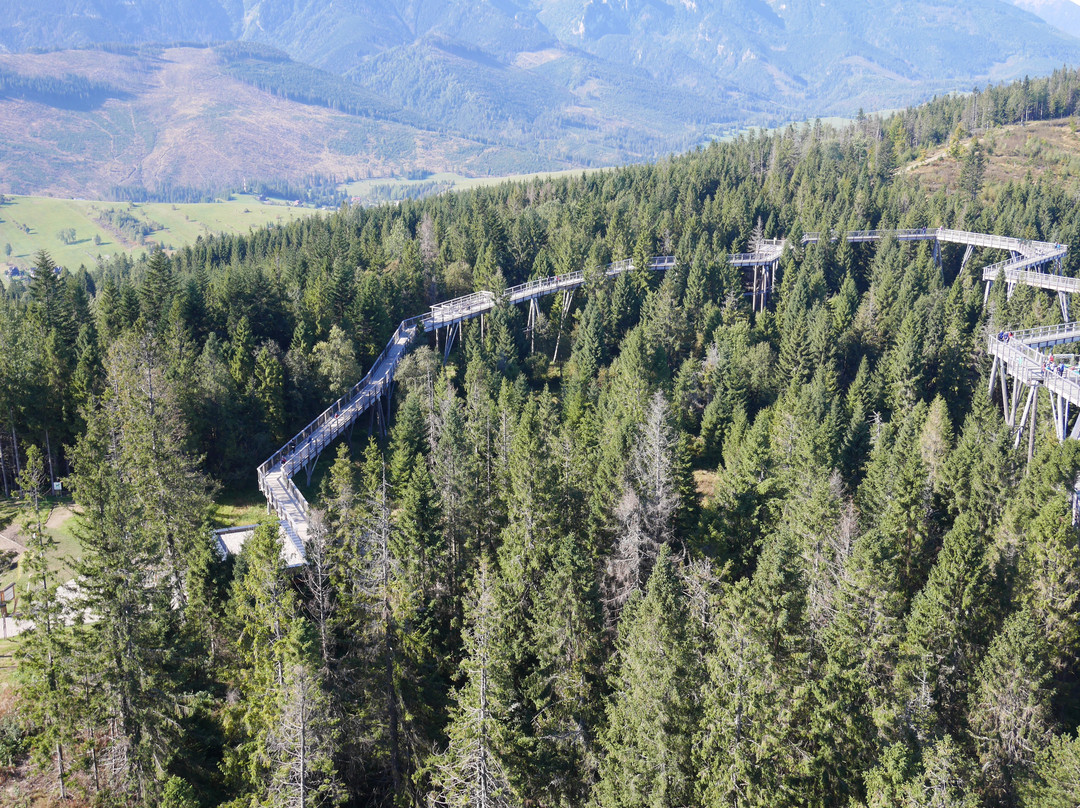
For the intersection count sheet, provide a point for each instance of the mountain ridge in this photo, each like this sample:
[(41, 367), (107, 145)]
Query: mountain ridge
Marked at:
[(582, 82), (1062, 14)]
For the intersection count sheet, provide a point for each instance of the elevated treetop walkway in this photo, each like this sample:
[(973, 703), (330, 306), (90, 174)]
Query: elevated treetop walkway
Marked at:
[(1028, 358), (453, 312), (1025, 255), (303, 450), (374, 391), (1035, 252)]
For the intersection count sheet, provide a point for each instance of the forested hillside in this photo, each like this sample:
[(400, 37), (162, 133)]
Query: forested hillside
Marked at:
[(661, 552)]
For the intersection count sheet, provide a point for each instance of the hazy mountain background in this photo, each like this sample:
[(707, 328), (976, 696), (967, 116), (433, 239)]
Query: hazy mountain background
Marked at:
[(1062, 14), (510, 85)]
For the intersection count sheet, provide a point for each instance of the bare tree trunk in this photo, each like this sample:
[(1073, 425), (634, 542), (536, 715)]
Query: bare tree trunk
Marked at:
[(15, 445), (3, 470), (392, 702), (48, 454), (303, 748), (60, 770), (317, 577), (93, 744), (383, 527)]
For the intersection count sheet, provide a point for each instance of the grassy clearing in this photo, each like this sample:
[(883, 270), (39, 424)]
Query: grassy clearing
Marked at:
[(238, 513), (705, 480), (7, 662), (238, 506), (64, 554), (32, 223), (1013, 153), (8, 512), (393, 188)]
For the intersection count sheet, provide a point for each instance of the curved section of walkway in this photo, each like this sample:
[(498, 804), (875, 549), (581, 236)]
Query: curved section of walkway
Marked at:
[(1025, 263), (302, 450)]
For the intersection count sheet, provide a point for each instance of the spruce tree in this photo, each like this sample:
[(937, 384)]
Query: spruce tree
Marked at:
[(268, 388), (283, 738), (562, 688), (123, 584), (157, 289), (472, 770), (946, 633), (44, 649), (1050, 580), (1010, 706), (1055, 778), (739, 753), (648, 738)]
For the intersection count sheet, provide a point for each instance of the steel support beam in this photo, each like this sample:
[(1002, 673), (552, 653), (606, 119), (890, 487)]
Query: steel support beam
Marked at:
[(967, 257), (1031, 434), (567, 302), (1023, 418), (1075, 434), (1055, 414), (452, 332), (530, 327)]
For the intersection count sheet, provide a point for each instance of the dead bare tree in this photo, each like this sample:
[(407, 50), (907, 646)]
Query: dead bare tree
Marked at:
[(301, 746)]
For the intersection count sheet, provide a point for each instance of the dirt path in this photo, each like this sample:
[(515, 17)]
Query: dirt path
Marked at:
[(10, 536), (58, 515), (9, 540)]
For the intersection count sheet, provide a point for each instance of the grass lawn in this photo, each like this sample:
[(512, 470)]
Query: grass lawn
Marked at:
[(7, 661), (8, 512)]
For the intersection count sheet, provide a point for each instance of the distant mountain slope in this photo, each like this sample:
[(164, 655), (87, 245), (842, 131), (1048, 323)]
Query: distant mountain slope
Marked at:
[(1062, 14), (77, 23), (176, 119), (769, 60), (584, 82)]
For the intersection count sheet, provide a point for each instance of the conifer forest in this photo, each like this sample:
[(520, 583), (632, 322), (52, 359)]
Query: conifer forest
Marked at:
[(660, 551)]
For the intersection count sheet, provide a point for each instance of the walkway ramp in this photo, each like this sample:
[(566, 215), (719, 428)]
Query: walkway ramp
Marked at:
[(275, 475), (1026, 257)]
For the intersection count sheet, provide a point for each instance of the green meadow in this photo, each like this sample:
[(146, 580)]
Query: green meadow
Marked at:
[(393, 189), (31, 223)]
